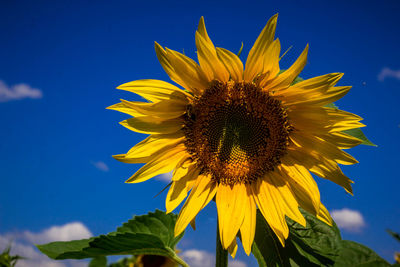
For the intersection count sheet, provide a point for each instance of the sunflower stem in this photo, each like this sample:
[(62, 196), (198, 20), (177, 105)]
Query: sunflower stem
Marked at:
[(221, 253)]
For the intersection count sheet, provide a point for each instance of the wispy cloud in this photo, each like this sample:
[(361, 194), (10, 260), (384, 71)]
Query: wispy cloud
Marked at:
[(201, 258), (18, 91), (165, 177), (101, 166), (388, 73), (22, 244), (347, 219)]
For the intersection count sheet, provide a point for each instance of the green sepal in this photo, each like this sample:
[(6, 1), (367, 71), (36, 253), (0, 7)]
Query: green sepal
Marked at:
[(240, 50), (394, 234), (357, 132)]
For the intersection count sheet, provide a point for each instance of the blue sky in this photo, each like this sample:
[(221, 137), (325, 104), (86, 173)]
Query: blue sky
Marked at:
[(56, 142)]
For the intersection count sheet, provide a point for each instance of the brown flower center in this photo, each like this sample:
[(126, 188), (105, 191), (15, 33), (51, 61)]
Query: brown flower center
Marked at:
[(236, 132)]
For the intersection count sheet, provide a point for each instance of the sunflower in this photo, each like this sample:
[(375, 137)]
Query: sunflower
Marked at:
[(245, 137)]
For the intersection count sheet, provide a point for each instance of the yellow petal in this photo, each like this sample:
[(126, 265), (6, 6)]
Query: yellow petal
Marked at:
[(248, 228), (270, 209), (209, 61), (301, 182), (321, 166), (328, 169), (155, 144), (162, 163), (328, 150), (201, 194), (284, 197), (188, 71), (183, 168), (151, 147), (124, 109), (319, 84), (179, 189), (286, 78), (166, 109), (315, 91), (275, 200), (320, 99), (304, 196), (231, 201), (254, 63), (341, 140), (232, 63), (167, 66), (155, 90), (324, 215), (322, 120), (271, 62), (122, 158), (152, 125)]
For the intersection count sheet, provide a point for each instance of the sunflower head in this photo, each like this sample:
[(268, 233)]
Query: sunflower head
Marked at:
[(247, 137), (236, 131)]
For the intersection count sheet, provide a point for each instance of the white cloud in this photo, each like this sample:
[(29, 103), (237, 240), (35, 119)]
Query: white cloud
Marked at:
[(201, 258), (18, 91), (22, 243), (236, 263), (347, 219), (101, 166), (165, 177), (198, 258), (387, 72), (69, 231)]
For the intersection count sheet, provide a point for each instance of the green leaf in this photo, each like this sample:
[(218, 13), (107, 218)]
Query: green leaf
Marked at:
[(317, 244), (124, 262), (151, 234), (98, 262), (357, 255), (310, 246)]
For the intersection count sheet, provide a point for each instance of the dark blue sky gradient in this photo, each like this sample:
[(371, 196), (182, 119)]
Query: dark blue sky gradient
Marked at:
[(77, 52)]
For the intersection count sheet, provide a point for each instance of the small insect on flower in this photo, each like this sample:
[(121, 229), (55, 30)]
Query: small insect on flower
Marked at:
[(246, 137)]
